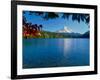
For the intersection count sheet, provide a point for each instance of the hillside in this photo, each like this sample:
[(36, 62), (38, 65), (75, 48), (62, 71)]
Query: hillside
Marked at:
[(46, 34), (86, 35)]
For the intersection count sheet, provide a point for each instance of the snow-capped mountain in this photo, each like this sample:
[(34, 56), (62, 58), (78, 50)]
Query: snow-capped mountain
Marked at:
[(64, 30), (68, 32)]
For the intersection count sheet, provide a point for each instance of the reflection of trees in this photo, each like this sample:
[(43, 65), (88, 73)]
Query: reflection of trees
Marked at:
[(35, 42)]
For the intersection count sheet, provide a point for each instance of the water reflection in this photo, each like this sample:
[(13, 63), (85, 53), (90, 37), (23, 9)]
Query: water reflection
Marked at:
[(67, 45), (40, 53)]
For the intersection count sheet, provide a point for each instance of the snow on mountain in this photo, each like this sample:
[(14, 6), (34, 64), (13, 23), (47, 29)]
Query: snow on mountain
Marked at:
[(65, 30)]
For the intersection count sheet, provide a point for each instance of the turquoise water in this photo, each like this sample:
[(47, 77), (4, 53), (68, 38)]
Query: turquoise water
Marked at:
[(41, 53)]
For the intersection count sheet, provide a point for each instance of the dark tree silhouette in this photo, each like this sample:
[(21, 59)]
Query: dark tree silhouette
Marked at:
[(24, 20), (52, 15), (40, 26)]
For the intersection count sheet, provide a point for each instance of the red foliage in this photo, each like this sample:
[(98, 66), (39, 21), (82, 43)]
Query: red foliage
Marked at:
[(31, 30)]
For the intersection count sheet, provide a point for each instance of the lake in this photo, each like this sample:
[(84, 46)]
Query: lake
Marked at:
[(42, 53)]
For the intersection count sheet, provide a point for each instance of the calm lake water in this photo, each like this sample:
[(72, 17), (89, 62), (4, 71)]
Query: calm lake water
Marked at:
[(41, 53)]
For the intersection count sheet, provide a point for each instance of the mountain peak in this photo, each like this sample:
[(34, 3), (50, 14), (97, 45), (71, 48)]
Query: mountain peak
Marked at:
[(64, 30)]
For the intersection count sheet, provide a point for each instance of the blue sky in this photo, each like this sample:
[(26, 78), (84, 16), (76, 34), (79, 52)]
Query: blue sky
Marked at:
[(57, 23)]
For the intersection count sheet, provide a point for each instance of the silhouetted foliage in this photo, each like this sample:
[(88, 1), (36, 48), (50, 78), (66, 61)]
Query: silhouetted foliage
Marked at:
[(66, 15), (52, 15)]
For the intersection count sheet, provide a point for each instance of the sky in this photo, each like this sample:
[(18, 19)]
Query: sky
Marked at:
[(56, 24)]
